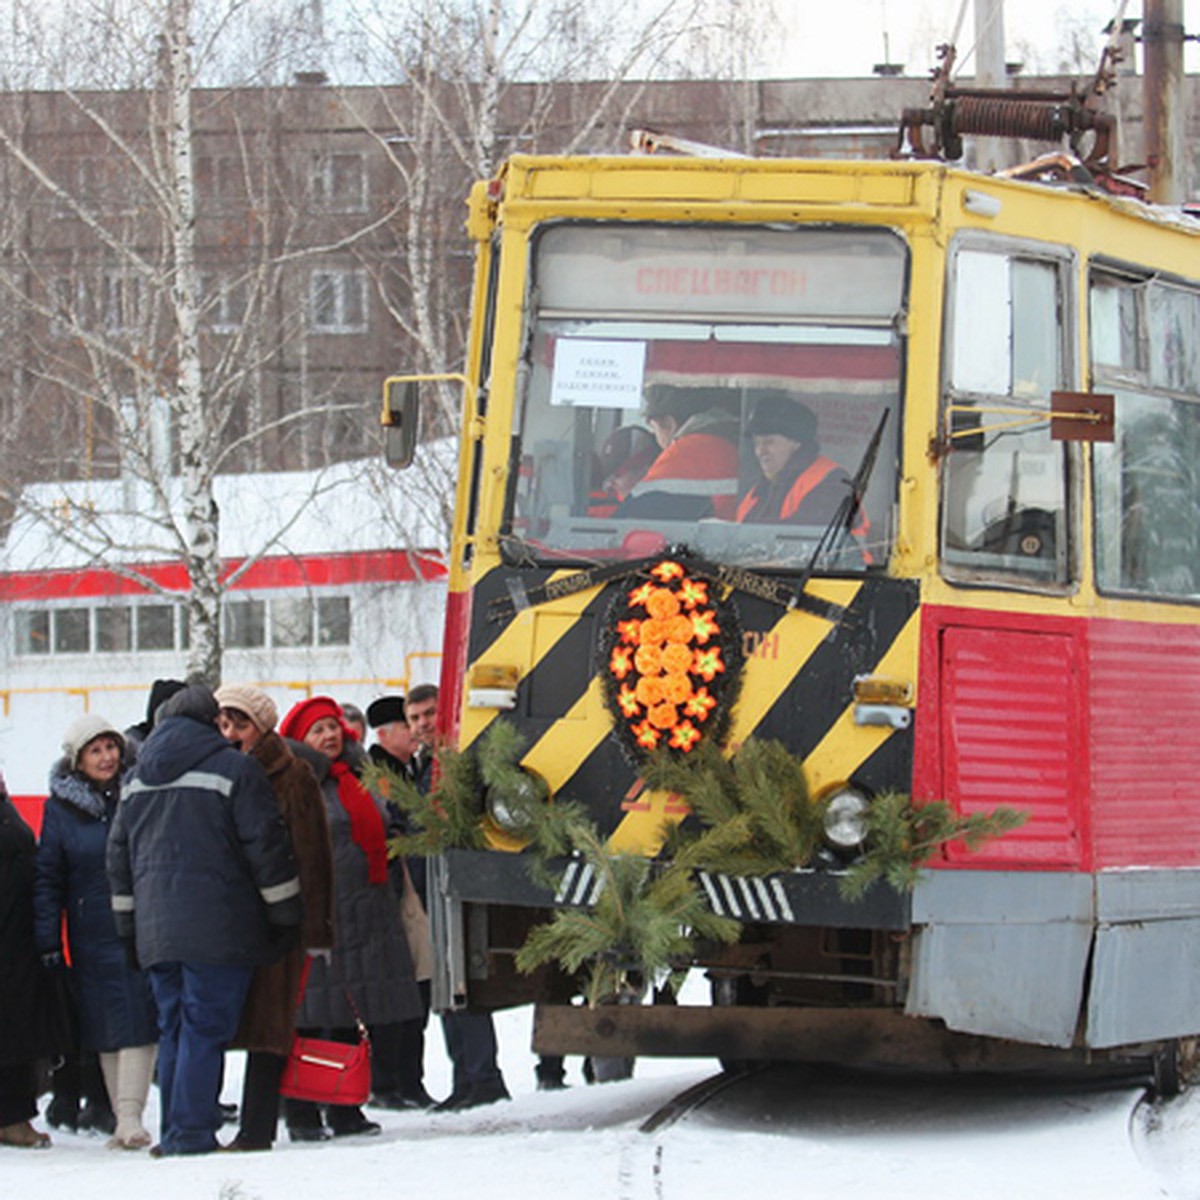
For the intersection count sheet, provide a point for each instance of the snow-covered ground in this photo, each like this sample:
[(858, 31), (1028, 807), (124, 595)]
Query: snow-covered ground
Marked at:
[(837, 1136)]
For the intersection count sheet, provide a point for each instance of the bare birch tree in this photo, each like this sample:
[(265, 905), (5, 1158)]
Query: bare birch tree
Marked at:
[(170, 335), (120, 322)]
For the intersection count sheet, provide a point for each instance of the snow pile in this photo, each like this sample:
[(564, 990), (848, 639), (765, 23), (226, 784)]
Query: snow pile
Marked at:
[(350, 506)]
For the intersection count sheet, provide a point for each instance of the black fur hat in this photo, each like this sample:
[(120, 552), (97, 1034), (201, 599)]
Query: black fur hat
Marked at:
[(385, 710)]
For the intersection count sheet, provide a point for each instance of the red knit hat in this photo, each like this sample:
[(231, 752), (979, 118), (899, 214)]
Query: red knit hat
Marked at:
[(304, 715)]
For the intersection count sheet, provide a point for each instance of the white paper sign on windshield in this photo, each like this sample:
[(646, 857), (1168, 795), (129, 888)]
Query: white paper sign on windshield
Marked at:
[(598, 373)]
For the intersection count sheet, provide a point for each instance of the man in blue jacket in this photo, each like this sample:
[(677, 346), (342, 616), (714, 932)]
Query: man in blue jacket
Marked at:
[(205, 887)]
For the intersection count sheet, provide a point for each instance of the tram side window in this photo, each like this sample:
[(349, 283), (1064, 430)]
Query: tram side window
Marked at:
[(1004, 503), (1147, 481)]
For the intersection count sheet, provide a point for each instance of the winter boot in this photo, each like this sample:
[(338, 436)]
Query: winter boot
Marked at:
[(128, 1073), (96, 1113)]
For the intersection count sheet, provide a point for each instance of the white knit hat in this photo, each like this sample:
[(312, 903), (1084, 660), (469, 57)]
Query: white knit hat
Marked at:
[(252, 701), (88, 728)]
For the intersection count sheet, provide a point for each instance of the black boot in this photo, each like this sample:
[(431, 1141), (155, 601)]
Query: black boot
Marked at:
[(346, 1121), (97, 1111), (63, 1110), (304, 1122)]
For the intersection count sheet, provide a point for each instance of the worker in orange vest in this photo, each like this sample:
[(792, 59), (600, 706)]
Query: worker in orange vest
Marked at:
[(799, 485), (696, 474)]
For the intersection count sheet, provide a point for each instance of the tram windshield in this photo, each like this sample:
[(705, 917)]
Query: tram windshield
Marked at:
[(720, 387)]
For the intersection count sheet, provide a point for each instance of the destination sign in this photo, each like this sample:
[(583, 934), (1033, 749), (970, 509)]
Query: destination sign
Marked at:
[(723, 270)]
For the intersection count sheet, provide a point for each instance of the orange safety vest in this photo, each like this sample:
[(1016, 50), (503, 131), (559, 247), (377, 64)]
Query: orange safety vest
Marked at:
[(804, 484), (697, 464)]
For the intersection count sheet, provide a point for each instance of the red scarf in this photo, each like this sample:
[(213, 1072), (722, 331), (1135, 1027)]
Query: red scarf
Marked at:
[(366, 824)]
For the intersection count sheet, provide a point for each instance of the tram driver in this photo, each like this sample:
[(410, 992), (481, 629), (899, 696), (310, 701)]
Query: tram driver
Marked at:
[(797, 484)]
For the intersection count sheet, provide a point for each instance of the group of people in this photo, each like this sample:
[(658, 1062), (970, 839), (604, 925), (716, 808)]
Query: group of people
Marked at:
[(695, 474), (216, 878)]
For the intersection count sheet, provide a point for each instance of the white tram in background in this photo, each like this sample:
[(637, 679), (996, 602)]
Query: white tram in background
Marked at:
[(348, 601)]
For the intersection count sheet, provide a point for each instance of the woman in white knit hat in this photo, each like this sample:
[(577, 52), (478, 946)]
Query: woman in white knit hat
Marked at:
[(116, 1011), (247, 718)]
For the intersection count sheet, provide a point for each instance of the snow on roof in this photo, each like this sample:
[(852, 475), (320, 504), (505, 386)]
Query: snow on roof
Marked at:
[(352, 506)]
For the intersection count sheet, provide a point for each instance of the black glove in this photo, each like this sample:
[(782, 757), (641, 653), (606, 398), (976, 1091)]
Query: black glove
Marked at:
[(282, 938), (131, 958), (53, 960)]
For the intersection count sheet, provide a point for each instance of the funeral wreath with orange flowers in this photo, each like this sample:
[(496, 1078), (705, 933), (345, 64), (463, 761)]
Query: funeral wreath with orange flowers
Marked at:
[(671, 661)]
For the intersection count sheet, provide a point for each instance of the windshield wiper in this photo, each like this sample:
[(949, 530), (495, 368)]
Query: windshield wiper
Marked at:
[(840, 523)]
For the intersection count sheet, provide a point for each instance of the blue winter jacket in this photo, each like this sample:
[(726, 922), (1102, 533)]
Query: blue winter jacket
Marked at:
[(199, 858), (115, 1006)]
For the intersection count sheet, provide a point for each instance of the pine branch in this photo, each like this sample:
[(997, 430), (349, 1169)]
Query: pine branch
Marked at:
[(644, 922), (705, 780), (775, 793), (447, 818), (902, 837)]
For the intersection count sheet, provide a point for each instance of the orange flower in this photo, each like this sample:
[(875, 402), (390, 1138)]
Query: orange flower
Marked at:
[(678, 629), (676, 659), (663, 603), (676, 689), (693, 592), (650, 690), (628, 702), (648, 661), (629, 631), (667, 570), (647, 736), (704, 626), (640, 595), (708, 663), (685, 736), (653, 633), (663, 716), (621, 662), (700, 705)]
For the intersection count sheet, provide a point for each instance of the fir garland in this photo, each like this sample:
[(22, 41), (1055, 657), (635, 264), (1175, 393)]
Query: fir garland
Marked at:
[(754, 816), (452, 816), (646, 918)]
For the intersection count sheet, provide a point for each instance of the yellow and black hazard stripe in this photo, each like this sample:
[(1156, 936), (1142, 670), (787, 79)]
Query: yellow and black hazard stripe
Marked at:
[(798, 688)]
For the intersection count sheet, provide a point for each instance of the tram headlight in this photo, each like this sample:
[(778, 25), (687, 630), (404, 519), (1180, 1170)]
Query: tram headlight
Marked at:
[(511, 803), (846, 823)]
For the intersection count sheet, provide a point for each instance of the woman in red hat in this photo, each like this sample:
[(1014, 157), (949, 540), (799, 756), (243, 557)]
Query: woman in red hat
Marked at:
[(371, 962)]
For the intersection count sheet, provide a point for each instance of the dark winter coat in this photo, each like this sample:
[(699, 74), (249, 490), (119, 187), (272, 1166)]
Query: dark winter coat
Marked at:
[(419, 772), (370, 955), (389, 762), (114, 1002), (24, 997), (199, 860), (268, 1019)]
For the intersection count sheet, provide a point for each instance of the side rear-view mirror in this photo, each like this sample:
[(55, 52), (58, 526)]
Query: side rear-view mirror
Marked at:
[(401, 420)]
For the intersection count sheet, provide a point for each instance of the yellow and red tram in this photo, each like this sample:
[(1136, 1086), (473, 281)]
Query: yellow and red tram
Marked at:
[(1011, 618)]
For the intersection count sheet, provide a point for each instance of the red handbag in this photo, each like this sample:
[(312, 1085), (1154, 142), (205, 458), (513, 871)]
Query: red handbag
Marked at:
[(328, 1072)]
